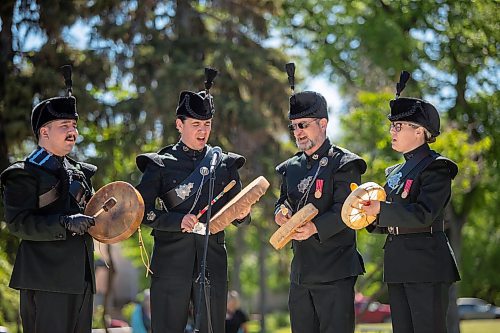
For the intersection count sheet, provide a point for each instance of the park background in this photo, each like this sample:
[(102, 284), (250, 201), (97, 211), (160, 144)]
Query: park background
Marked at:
[(132, 58)]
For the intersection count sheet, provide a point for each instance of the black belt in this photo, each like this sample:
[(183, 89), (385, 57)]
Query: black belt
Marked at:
[(404, 231)]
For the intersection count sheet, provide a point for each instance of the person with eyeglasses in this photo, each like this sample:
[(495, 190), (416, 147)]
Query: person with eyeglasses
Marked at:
[(44, 198), (325, 262), (419, 264)]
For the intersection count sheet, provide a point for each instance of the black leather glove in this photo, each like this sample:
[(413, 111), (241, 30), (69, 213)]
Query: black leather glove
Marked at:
[(78, 223)]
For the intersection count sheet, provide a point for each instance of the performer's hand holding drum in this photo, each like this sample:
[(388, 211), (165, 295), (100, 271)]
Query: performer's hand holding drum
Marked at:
[(118, 209), (284, 234), (352, 209), (246, 198)]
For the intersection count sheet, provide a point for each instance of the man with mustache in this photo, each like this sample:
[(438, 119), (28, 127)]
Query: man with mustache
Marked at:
[(175, 189), (326, 263), (44, 196)]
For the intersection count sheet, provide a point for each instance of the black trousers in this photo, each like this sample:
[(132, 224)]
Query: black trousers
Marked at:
[(170, 299), (51, 312), (419, 307), (322, 308)]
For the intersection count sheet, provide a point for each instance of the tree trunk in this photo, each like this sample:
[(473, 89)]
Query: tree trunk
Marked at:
[(6, 56), (239, 245), (262, 281)]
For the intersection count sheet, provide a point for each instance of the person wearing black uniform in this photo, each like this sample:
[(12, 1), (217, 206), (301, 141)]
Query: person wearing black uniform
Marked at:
[(175, 189), (326, 263), (44, 196), (419, 264)]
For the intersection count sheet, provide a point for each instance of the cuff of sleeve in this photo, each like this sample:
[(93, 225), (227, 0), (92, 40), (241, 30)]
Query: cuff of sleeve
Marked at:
[(59, 232), (244, 221)]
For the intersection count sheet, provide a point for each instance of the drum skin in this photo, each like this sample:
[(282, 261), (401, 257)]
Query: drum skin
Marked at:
[(123, 219), (352, 212), (284, 234), (246, 198)]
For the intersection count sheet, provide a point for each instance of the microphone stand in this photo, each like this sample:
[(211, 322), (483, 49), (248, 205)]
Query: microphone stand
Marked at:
[(204, 291)]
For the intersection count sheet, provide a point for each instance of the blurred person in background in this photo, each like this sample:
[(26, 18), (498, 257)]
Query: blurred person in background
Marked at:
[(236, 319)]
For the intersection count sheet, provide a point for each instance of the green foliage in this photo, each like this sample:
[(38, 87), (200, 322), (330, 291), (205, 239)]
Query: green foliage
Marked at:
[(8, 297)]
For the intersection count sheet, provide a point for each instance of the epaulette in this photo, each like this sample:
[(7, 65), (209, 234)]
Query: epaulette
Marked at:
[(452, 166), (15, 167), (346, 157), (388, 170), (281, 168), (236, 160), (142, 160)]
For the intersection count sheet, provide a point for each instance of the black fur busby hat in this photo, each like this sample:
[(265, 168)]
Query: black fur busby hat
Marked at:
[(55, 108), (414, 110), (305, 104), (198, 105)]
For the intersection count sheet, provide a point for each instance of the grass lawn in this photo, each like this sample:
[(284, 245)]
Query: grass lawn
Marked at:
[(467, 326)]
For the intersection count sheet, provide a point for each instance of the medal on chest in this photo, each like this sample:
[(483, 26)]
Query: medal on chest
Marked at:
[(319, 188), (406, 189)]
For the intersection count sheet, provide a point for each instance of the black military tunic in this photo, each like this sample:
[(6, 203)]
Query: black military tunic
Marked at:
[(50, 263), (177, 256), (419, 264), (325, 266)]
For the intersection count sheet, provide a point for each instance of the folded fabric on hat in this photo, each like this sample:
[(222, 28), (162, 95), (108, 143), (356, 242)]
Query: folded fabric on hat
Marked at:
[(417, 111), (195, 105), (307, 104), (53, 109)]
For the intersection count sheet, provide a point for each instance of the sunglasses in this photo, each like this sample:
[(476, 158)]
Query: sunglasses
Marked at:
[(398, 126), (302, 125)]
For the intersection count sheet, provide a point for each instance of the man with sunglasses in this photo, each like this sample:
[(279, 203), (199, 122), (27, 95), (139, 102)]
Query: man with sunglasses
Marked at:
[(44, 197), (326, 263), (419, 265)]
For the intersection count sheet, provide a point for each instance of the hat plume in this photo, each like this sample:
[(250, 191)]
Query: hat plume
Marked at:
[(66, 71), (403, 78), (290, 71), (210, 74)]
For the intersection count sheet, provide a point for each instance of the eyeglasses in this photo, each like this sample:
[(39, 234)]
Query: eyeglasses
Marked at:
[(398, 126), (302, 125)]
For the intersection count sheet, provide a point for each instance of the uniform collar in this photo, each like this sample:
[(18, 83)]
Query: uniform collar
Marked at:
[(423, 148), (192, 153), (320, 152)]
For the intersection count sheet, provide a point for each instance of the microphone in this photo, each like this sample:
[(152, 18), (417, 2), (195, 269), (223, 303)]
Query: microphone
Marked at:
[(215, 158)]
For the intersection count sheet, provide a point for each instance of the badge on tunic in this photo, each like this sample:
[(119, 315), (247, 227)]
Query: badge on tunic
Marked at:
[(151, 216), (159, 204), (393, 181), (200, 228), (304, 184), (184, 190), (319, 188), (406, 189), (204, 171)]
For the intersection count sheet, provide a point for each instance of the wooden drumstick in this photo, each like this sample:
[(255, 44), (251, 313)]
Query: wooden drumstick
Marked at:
[(107, 206), (224, 191)]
